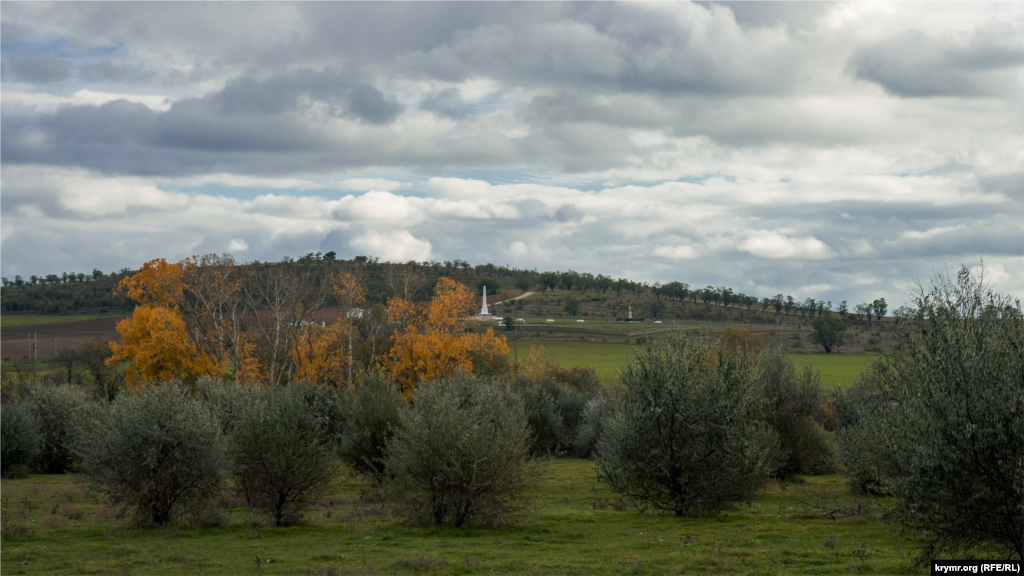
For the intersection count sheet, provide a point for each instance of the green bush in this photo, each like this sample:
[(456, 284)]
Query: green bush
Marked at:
[(281, 462), (461, 455), (156, 451), (861, 436), (55, 409), (226, 400), (946, 435), (555, 412), (326, 405), (578, 378), (790, 401), (592, 421), (684, 439), (547, 429), (20, 441), (372, 412)]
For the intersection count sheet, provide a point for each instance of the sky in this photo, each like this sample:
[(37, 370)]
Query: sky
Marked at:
[(840, 151)]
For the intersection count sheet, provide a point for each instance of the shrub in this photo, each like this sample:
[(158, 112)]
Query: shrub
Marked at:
[(592, 421), (226, 400), (325, 405), (156, 451), (542, 415), (554, 411), (683, 439), (372, 413), (861, 437), (790, 402), (281, 462), (20, 441), (55, 409), (952, 419), (577, 377), (461, 455)]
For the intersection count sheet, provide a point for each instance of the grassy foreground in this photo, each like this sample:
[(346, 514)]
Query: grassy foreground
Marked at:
[(577, 527)]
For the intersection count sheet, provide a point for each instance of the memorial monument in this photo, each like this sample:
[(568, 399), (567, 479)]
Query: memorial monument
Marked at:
[(483, 309)]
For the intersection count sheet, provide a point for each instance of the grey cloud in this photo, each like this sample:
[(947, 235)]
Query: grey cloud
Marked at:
[(193, 126), (619, 47), (246, 119), (626, 91), (39, 69), (797, 15), (912, 64), (109, 71), (12, 33), (998, 236), (287, 91), (369, 103), (572, 106), (568, 213), (530, 209), (447, 102), (197, 135), (1010, 185)]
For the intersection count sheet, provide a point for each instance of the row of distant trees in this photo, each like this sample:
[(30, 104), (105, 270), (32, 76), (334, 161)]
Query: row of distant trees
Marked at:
[(67, 291), (62, 278)]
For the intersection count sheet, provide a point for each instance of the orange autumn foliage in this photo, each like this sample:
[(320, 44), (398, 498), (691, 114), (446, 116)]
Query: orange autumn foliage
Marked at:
[(156, 343), (156, 283), (318, 355), (156, 340), (323, 354), (444, 346), (538, 365)]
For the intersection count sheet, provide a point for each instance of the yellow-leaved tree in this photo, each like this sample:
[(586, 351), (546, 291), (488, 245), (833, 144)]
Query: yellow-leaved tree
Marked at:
[(323, 354), (444, 344), (155, 340)]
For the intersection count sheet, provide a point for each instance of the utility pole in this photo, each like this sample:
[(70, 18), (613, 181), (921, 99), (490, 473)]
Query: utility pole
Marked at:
[(515, 328)]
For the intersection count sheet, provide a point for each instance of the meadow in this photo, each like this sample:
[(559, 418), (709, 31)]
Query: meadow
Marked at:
[(576, 527), (16, 320), (609, 357)]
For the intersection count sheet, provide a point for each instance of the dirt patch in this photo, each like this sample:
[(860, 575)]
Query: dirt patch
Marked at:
[(73, 335)]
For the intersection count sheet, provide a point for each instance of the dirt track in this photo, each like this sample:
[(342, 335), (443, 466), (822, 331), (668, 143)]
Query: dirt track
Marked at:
[(72, 335)]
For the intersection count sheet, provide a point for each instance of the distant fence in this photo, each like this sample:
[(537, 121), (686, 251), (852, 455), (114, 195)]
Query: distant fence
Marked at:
[(14, 346), (17, 341)]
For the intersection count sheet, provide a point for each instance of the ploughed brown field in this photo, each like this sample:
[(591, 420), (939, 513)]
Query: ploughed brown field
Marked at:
[(73, 335)]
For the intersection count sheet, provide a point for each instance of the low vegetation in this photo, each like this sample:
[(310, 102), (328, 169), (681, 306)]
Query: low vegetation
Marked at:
[(158, 453), (723, 438), (949, 404), (460, 457), (684, 439)]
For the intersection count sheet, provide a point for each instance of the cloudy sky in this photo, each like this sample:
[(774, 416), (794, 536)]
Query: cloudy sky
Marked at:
[(836, 151)]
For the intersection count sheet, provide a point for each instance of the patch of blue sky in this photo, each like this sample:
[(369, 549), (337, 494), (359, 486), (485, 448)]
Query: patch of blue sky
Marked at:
[(59, 47), (326, 191), (581, 182), (501, 177)]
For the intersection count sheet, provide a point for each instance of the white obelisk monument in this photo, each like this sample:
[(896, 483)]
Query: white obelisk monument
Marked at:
[(483, 309)]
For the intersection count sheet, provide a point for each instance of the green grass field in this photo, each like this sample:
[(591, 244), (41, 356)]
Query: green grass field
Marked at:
[(13, 321), (609, 357), (605, 325), (577, 527), (836, 369)]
